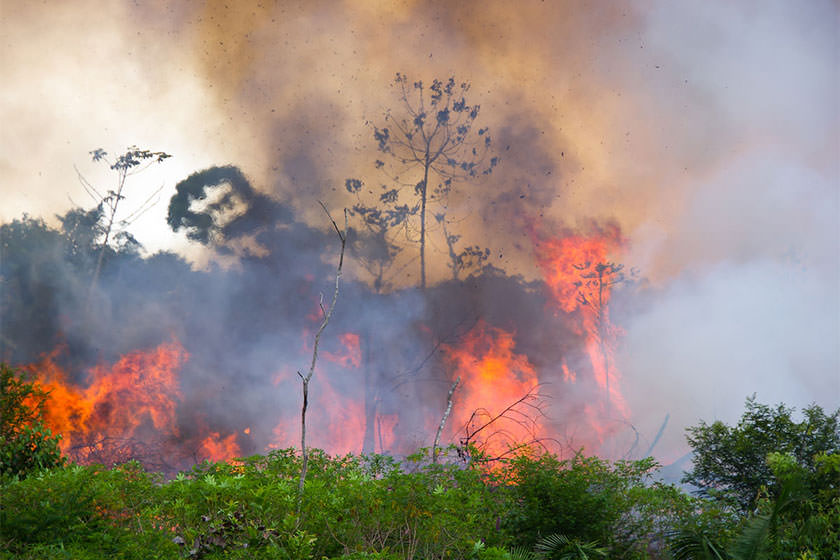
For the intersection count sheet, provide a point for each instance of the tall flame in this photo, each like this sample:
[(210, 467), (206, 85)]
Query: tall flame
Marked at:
[(580, 277), (335, 414)]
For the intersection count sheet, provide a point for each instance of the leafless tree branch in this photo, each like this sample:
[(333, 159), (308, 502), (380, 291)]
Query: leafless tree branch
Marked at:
[(443, 419), (306, 378)]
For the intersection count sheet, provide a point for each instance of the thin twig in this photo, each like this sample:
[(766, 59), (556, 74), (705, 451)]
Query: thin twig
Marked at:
[(305, 379)]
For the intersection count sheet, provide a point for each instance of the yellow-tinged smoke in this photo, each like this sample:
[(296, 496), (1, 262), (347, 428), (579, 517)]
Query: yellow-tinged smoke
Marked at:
[(708, 131)]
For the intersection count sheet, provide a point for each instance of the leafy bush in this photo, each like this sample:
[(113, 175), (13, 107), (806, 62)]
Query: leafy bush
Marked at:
[(79, 508), (778, 478), (589, 500), (26, 445), (357, 507), (729, 463)]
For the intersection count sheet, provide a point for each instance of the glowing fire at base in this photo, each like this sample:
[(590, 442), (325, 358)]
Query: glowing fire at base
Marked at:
[(126, 411), (130, 410), (217, 448), (494, 378), (336, 420)]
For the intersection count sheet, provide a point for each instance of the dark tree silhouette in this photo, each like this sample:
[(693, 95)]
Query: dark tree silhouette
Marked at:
[(427, 146), (470, 258), (219, 207)]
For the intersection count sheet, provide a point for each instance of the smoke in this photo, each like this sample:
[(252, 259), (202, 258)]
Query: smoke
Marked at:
[(708, 132), (747, 300)]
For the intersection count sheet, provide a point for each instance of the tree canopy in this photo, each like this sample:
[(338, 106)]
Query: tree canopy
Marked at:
[(428, 144), (730, 462)]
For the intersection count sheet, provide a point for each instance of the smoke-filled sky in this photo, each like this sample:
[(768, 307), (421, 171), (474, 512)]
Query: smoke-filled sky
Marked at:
[(707, 130)]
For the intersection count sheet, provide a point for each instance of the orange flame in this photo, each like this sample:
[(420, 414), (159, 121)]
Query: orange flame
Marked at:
[(214, 447), (344, 419), (134, 397), (126, 411), (351, 357), (493, 378), (580, 278), (339, 423), (334, 422)]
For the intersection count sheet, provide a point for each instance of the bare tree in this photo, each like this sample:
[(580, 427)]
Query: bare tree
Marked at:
[(306, 378), (431, 139), (131, 162)]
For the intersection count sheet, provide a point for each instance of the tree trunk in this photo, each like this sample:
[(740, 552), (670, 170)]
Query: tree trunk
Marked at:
[(423, 221), (305, 379), (443, 419), (371, 397)]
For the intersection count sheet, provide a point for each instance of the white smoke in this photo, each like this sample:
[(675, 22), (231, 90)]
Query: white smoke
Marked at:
[(752, 303)]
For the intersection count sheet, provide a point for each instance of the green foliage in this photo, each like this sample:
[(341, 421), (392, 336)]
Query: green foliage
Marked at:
[(802, 517), (730, 462), (358, 507), (782, 477), (76, 509), (589, 500), (482, 552), (561, 547), (219, 508), (692, 544), (415, 509), (369, 556), (26, 445), (21, 402)]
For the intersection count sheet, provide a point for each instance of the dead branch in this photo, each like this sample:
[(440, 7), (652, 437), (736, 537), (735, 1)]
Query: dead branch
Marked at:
[(443, 419), (305, 379), (523, 412)]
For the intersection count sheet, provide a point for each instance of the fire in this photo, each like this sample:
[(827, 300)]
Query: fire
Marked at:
[(344, 420), (125, 411), (578, 273), (214, 447), (351, 356), (493, 379), (336, 413), (385, 426), (135, 397)]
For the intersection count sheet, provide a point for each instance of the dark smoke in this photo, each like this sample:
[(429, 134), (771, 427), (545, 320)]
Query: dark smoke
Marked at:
[(247, 328)]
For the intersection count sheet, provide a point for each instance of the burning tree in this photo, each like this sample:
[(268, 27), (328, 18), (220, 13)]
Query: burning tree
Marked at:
[(596, 281), (580, 278), (431, 141)]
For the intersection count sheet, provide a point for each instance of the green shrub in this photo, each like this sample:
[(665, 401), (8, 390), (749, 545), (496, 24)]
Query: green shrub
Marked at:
[(76, 508), (590, 500), (369, 556), (26, 445)]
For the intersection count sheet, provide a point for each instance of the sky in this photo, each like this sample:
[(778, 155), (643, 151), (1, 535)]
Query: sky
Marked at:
[(709, 131)]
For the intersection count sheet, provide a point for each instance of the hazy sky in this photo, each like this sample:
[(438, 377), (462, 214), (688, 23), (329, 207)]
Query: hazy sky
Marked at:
[(708, 130)]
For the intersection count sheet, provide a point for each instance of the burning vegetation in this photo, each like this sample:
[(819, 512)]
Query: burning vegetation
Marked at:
[(495, 370), (535, 358), (174, 403)]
